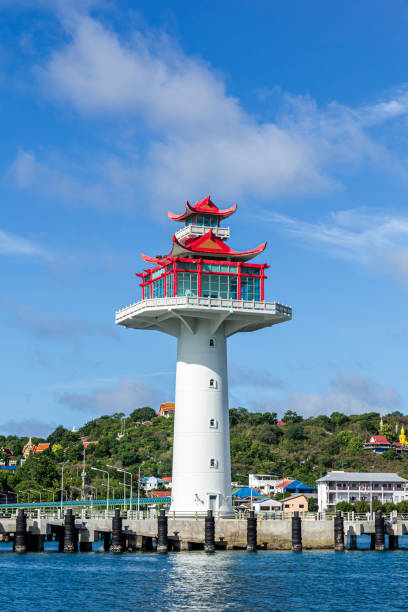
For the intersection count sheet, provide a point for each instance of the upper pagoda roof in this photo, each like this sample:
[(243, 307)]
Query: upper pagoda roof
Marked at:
[(205, 207), (205, 246)]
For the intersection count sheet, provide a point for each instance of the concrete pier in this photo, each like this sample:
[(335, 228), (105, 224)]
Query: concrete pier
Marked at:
[(191, 533)]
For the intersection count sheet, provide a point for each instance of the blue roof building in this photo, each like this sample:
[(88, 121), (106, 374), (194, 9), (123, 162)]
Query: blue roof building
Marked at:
[(296, 486), (245, 492)]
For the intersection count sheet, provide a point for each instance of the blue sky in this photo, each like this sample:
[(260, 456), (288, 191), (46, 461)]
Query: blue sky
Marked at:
[(115, 112)]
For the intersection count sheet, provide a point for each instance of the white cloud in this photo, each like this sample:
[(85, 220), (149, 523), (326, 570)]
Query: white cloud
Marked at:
[(199, 138), (348, 393), (374, 239), (125, 397), (104, 182), (10, 244)]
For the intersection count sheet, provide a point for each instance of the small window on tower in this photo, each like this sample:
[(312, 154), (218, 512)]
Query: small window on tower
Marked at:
[(213, 463), (212, 342), (213, 423), (213, 383)]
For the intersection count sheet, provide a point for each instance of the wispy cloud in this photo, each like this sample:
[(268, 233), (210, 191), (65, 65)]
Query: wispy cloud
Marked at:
[(348, 393), (194, 133), (49, 326), (125, 397), (247, 377), (10, 244), (27, 427), (374, 239)]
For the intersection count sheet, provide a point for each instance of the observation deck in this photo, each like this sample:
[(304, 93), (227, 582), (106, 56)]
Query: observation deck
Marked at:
[(169, 313), (194, 231)]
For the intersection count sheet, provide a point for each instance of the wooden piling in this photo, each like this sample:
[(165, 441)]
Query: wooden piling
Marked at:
[(117, 536), (251, 532), (20, 537), (338, 532), (162, 531), (379, 531), (209, 532), (296, 532), (69, 531)]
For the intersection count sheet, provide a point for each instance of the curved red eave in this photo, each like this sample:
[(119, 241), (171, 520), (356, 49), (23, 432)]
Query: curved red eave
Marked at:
[(206, 206), (206, 246)]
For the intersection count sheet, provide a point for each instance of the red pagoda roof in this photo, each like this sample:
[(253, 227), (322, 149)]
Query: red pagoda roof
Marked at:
[(205, 207), (203, 246), (378, 440)]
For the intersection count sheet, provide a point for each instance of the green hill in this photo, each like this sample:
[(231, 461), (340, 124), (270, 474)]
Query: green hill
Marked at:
[(303, 448)]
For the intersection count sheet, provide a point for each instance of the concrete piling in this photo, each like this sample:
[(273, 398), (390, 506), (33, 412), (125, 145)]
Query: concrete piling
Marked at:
[(20, 537), (379, 531), (393, 542), (117, 534), (209, 533), (338, 532), (296, 532), (69, 531), (162, 529), (251, 532)]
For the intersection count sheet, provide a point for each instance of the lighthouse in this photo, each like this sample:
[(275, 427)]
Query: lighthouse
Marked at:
[(202, 293)]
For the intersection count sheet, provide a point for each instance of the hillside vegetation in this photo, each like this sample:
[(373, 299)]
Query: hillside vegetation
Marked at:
[(303, 448)]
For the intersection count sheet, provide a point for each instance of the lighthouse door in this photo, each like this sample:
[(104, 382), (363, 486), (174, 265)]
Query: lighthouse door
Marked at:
[(212, 505)]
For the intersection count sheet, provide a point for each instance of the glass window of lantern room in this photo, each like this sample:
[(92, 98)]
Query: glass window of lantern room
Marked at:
[(219, 285), (186, 283), (158, 288), (251, 288), (169, 279)]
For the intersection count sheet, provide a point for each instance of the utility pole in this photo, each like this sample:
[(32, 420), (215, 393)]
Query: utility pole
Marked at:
[(83, 473)]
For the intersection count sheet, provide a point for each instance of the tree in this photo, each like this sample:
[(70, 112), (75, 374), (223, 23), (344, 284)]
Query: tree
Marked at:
[(142, 414), (391, 455), (338, 418), (361, 507), (402, 507), (292, 417), (355, 443), (344, 506), (313, 507), (294, 432)]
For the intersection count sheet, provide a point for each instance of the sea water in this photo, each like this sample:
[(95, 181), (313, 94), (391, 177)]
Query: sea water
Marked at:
[(236, 580)]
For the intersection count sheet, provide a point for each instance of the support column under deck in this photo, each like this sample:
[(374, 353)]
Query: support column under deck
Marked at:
[(201, 454)]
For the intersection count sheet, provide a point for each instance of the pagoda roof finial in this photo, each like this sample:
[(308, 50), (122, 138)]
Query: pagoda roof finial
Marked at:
[(204, 207)]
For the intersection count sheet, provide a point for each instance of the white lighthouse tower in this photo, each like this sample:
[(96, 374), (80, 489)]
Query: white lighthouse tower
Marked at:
[(202, 293)]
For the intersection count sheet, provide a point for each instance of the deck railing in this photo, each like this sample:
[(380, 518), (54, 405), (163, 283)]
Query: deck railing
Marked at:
[(204, 302)]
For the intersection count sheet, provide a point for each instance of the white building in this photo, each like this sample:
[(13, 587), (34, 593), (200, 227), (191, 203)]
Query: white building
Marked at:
[(350, 487), (149, 483), (265, 482), (266, 505), (202, 293)]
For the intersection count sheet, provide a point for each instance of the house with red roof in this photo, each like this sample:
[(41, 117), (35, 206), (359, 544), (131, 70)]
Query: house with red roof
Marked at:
[(167, 481)]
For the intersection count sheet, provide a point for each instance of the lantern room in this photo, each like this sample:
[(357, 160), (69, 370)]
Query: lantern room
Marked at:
[(201, 264)]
